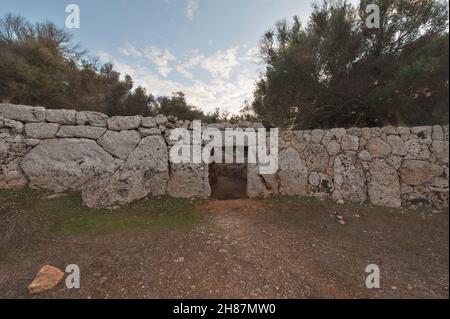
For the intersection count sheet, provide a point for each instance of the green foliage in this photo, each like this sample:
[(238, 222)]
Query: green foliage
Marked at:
[(336, 72), (40, 66)]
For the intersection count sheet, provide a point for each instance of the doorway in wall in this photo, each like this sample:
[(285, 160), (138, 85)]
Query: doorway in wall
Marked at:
[(228, 181)]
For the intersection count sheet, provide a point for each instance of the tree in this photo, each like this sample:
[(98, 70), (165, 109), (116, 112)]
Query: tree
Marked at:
[(39, 65), (336, 72)]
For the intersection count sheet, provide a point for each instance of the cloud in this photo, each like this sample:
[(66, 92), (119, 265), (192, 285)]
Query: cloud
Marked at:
[(160, 58), (226, 87), (221, 63), (252, 55), (130, 50), (191, 8)]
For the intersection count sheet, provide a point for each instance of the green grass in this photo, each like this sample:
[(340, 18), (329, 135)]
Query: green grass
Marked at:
[(66, 215)]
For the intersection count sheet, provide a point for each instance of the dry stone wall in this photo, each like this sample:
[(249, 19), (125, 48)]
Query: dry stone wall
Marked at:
[(389, 166), (115, 161)]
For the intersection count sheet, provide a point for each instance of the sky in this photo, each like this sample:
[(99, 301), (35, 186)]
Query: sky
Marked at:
[(206, 48)]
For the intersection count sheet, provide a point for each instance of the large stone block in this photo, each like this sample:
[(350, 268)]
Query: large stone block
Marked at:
[(440, 149), (22, 113), (316, 157), (189, 181), (41, 130), (414, 172), (121, 123), (145, 173), (349, 178), (15, 126), (119, 144), (67, 117), (384, 185), (66, 164), (91, 118), (81, 131), (293, 174)]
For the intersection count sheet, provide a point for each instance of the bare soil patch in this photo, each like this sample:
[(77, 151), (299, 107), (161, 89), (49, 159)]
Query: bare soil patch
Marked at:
[(277, 248)]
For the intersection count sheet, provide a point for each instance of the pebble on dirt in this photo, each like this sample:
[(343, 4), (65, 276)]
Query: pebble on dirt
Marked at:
[(46, 279)]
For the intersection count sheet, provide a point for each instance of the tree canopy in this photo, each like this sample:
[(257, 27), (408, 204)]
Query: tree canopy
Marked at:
[(336, 72), (39, 65)]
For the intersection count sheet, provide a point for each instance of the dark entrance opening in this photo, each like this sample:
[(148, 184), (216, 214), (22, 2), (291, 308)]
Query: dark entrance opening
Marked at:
[(228, 181)]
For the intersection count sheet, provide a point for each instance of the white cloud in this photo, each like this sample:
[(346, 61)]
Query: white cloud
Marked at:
[(228, 87), (191, 8), (160, 58), (252, 55), (221, 63), (130, 50)]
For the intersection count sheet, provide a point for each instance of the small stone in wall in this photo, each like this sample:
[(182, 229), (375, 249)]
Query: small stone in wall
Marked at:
[(314, 179), (336, 133), (350, 143), (378, 148), (11, 175), (441, 150), (398, 145), (41, 130), (67, 117), (317, 136), (365, 156), (333, 148), (122, 123), (416, 150), (316, 157), (414, 172), (91, 118), (149, 122), (438, 133), (161, 119), (149, 131), (16, 126), (423, 132), (394, 161), (81, 131), (366, 133), (390, 130), (355, 131), (31, 141)]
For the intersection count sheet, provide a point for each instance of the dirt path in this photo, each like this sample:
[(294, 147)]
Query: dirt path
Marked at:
[(252, 249)]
